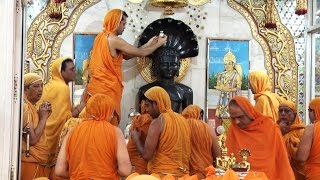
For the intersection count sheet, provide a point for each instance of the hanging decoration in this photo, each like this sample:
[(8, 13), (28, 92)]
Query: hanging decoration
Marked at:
[(270, 22), (168, 5), (301, 7), (55, 9), (198, 2)]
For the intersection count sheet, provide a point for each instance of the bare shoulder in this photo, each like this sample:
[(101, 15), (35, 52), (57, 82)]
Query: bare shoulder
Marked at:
[(157, 124), (118, 131), (115, 39)]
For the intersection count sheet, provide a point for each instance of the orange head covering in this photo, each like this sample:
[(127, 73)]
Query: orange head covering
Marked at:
[(192, 111), (247, 107), (315, 106), (82, 114), (112, 20), (56, 68), (160, 96), (259, 81), (289, 104), (100, 107), (31, 78)]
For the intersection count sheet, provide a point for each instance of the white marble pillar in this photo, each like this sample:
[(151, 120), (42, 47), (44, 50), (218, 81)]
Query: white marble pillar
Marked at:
[(10, 90)]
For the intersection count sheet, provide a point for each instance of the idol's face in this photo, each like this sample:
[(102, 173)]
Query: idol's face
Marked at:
[(228, 65), (169, 66)]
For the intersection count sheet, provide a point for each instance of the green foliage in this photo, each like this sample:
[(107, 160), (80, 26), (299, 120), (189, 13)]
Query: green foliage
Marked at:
[(212, 81), (78, 77), (245, 82)]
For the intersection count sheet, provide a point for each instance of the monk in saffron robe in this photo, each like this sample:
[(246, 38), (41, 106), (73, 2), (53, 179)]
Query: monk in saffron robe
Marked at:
[(57, 92), (142, 123), (70, 124), (258, 133), (94, 149), (106, 59), (204, 142), (267, 102), (309, 149), (167, 147), (33, 162), (292, 129)]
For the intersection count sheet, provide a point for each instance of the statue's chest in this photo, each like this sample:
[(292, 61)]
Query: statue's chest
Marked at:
[(175, 93)]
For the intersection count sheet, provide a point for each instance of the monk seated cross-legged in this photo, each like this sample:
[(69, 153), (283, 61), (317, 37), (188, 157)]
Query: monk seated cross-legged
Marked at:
[(95, 149), (142, 123), (204, 142), (167, 147)]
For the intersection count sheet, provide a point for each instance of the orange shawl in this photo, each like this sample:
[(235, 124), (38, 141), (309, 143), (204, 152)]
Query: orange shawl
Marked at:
[(201, 141), (39, 152), (173, 152), (141, 123), (56, 92), (292, 140), (312, 165), (92, 145), (264, 140), (105, 70), (266, 102)]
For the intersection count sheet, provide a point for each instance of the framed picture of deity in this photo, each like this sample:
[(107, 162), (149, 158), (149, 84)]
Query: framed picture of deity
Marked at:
[(82, 45), (227, 76)]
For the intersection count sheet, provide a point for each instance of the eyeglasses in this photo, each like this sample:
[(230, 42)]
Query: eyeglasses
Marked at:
[(310, 110)]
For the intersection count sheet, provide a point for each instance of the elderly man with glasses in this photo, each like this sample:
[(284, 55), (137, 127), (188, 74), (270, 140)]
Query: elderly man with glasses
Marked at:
[(292, 129)]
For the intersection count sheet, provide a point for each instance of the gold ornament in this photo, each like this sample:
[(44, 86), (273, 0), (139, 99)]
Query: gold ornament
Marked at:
[(168, 5), (270, 21), (198, 2), (301, 7)]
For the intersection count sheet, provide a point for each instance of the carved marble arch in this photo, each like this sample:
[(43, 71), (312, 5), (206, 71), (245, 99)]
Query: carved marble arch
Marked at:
[(277, 44), (45, 37)]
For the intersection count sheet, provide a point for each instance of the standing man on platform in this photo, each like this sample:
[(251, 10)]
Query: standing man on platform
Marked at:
[(107, 54)]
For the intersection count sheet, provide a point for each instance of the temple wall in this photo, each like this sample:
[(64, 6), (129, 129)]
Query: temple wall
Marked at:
[(222, 22)]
